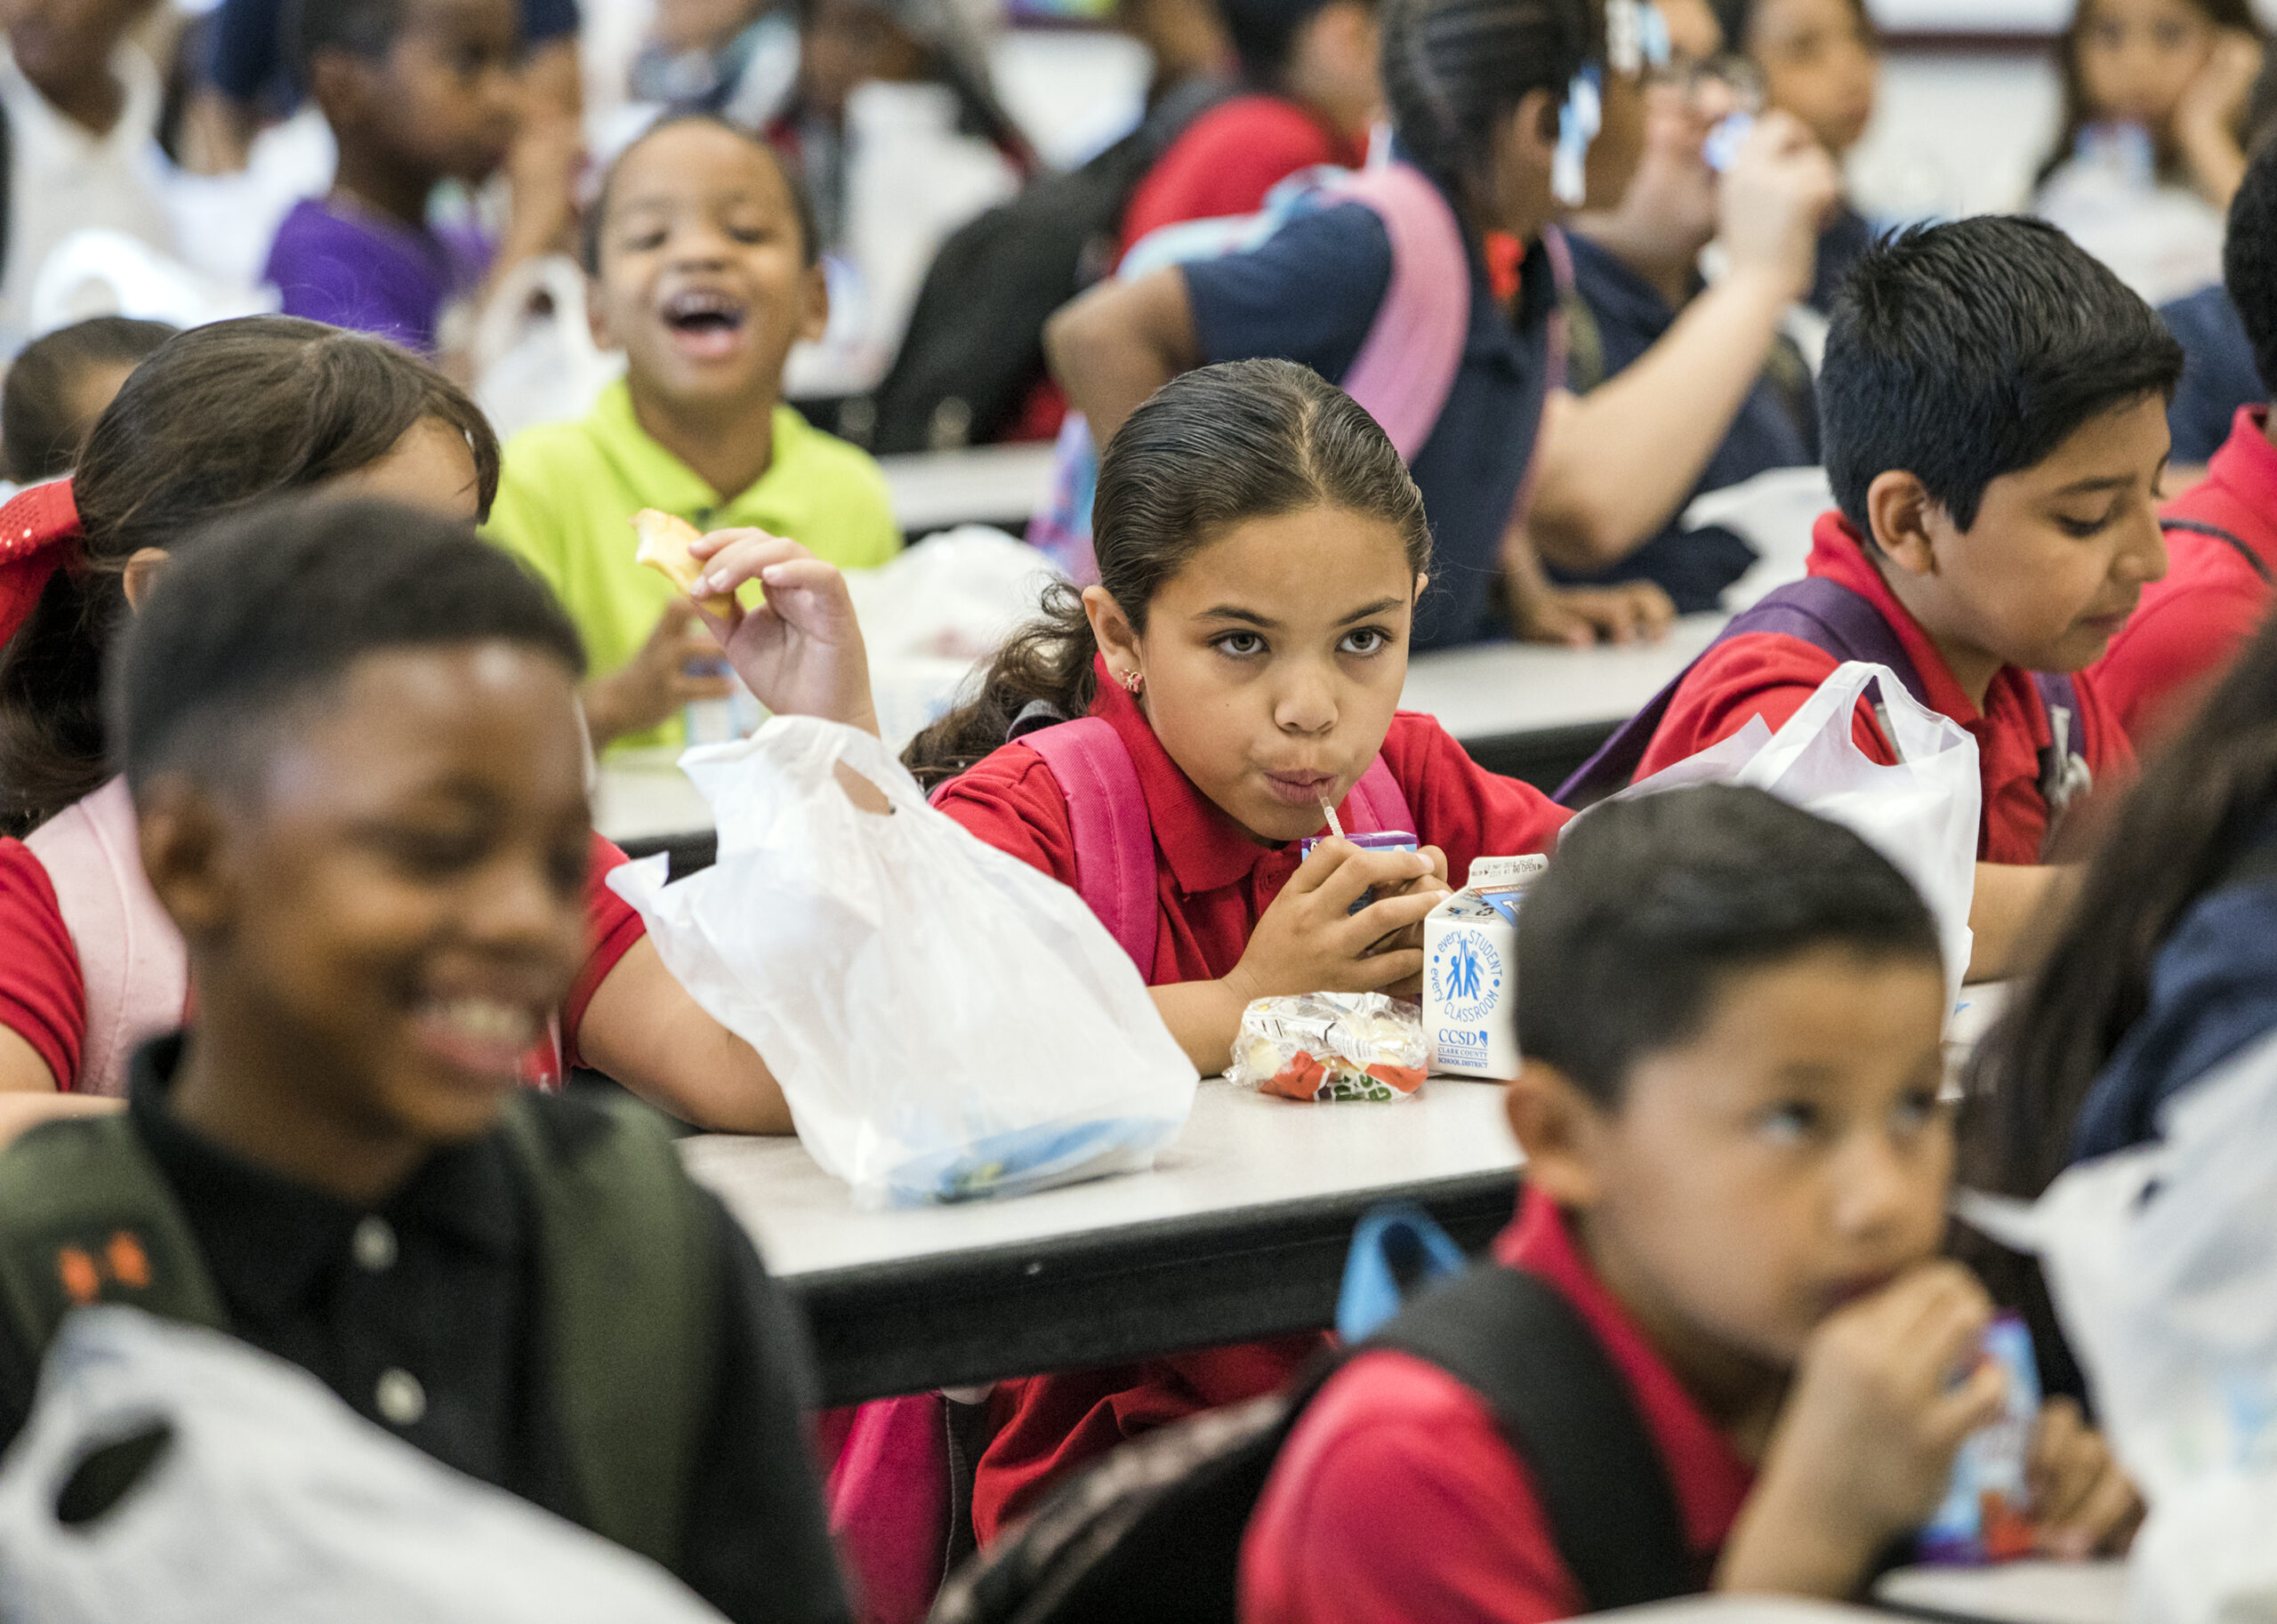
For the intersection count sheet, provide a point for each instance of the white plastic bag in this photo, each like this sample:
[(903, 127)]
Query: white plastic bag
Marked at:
[(538, 365), (273, 1501), (2162, 1262), (945, 1021), (933, 612), (1921, 815)]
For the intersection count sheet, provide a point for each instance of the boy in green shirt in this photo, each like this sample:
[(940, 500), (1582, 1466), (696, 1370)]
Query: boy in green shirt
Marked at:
[(703, 268)]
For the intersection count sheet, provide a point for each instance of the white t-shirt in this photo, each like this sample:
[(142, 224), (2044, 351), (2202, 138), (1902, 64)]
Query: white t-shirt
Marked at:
[(63, 177)]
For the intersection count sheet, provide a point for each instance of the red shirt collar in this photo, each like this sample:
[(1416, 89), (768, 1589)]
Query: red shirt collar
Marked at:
[(2245, 465), (1710, 1481), (1838, 554), (1203, 848)]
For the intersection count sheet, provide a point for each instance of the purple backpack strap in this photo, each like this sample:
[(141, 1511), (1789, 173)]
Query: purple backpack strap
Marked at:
[(1407, 362), (1114, 839), (1377, 805), (1824, 614)]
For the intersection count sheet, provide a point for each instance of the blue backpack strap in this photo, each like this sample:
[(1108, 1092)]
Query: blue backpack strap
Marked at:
[(1824, 614), (1114, 839)]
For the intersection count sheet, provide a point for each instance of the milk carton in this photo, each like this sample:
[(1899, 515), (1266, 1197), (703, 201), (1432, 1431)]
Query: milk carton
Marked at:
[(1470, 959)]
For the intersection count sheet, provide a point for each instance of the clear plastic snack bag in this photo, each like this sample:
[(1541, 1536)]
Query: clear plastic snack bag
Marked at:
[(947, 1022), (1330, 1046)]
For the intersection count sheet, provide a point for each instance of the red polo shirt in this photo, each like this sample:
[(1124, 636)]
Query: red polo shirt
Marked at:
[(1212, 883), (2189, 626), (1770, 674), (1226, 161), (1398, 1496)]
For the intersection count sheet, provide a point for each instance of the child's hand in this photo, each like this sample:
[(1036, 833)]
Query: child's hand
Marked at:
[(1436, 885), (2206, 118), (1864, 1444), (1773, 198), (1309, 941), (654, 682), (2082, 1504), (1579, 616), (801, 652)]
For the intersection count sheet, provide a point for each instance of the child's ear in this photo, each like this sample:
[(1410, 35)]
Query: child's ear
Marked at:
[(1899, 511), (816, 320), (142, 574), (183, 835), (1110, 629), (1560, 1128)]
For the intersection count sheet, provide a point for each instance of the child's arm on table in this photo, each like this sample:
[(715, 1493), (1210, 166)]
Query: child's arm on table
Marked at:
[(2009, 900), (1117, 344), (643, 1029), (1309, 941), (1864, 1445)]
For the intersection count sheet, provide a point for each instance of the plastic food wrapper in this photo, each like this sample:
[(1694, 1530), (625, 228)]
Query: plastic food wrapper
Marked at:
[(1986, 1515), (947, 1022), (1326, 1046)]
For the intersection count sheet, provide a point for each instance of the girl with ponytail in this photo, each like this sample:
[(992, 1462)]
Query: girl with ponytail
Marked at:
[(1163, 741)]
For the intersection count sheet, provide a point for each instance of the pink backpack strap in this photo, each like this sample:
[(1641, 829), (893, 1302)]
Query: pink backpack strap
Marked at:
[(1114, 839), (132, 959), (1406, 364), (1377, 804)]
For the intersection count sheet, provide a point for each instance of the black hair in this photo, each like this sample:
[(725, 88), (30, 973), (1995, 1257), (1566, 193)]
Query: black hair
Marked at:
[(1264, 33), (215, 420), (2249, 260), (41, 427), (2204, 802), (367, 29), (596, 216), (1211, 449), (1454, 71), (1652, 906), (1964, 351), (271, 607), (2252, 122)]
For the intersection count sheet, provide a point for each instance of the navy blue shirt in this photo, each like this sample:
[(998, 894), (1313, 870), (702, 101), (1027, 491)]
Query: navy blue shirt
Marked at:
[(1310, 293), (1776, 427), (2217, 373), (2213, 990), (248, 57)]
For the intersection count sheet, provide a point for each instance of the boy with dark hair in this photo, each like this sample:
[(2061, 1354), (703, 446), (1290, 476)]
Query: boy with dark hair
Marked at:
[(1992, 411), (704, 269), (1736, 1166), (351, 736), (2221, 534), (416, 91)]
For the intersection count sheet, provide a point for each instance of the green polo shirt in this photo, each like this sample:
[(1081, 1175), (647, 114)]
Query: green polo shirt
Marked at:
[(568, 491)]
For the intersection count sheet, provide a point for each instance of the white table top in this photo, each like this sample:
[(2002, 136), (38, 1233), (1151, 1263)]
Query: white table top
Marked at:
[(1239, 1149), (1744, 1609), (1496, 690), (2013, 1593), (985, 485)]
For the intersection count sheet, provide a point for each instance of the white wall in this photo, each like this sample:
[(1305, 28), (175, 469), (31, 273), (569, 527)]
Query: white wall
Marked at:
[(1955, 134)]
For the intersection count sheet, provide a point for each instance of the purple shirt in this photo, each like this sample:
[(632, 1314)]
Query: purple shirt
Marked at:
[(372, 276)]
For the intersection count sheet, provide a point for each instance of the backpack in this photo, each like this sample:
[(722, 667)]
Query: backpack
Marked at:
[(629, 1283), (974, 348), (1839, 622), (1155, 1531), (1114, 842)]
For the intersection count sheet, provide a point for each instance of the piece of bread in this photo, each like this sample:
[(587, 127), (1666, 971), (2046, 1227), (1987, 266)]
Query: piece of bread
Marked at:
[(664, 541)]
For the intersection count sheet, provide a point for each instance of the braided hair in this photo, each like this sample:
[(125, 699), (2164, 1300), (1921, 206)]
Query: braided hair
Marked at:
[(1454, 71)]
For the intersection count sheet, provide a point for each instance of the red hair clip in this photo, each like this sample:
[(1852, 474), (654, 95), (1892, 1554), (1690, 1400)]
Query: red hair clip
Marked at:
[(39, 530)]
